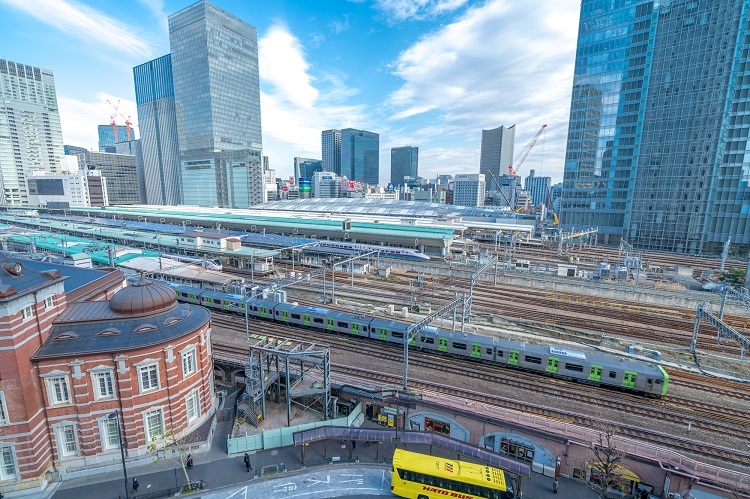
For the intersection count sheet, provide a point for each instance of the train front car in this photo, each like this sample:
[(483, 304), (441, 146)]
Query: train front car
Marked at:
[(633, 375)]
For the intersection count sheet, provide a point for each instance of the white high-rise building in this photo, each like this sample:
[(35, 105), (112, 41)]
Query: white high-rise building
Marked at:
[(330, 144), (468, 189), (30, 132)]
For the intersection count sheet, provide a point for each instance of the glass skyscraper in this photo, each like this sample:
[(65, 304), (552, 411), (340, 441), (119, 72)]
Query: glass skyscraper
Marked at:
[(107, 137), (217, 104), (30, 132), (404, 163), (154, 94), (360, 155), (658, 150)]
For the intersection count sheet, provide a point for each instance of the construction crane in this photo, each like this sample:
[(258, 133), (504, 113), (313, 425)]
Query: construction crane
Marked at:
[(113, 120), (513, 169), (500, 189)]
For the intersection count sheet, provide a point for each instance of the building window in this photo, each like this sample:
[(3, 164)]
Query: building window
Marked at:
[(110, 434), (149, 377), (8, 468), (68, 441), (3, 409), (28, 312), (192, 404), (154, 425), (103, 385), (188, 362), (58, 390), (49, 302)]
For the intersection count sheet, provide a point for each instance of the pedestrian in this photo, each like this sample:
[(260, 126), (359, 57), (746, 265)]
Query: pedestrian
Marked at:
[(354, 444), (189, 462), (135, 485), (555, 486), (247, 462)]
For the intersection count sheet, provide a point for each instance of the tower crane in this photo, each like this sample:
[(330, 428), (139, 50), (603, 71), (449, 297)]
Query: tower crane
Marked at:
[(513, 169), (113, 120), (500, 189)]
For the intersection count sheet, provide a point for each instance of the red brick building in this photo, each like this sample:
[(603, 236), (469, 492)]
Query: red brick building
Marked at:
[(65, 367)]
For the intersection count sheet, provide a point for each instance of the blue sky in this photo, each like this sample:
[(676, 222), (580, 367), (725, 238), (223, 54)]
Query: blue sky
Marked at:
[(427, 73)]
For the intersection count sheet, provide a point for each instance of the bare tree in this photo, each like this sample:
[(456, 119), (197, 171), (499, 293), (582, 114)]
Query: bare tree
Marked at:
[(172, 448), (608, 460)]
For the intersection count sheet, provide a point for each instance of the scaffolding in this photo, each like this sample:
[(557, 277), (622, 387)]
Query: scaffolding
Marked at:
[(723, 330), (296, 372)]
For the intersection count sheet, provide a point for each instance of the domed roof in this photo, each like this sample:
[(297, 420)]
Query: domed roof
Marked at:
[(143, 297)]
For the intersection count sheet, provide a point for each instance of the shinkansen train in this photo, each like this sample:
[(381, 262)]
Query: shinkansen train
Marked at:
[(385, 251), (591, 368)]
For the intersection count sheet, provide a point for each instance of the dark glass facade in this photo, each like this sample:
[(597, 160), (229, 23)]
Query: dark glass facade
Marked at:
[(154, 94), (658, 129), (360, 155), (404, 163)]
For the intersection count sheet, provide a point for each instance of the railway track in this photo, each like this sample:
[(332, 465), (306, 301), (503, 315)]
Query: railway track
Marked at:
[(726, 423)]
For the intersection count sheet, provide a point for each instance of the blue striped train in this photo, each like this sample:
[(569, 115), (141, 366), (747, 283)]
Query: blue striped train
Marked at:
[(592, 368)]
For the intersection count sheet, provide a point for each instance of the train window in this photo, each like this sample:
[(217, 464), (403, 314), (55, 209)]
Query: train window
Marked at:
[(318, 320), (429, 341), (533, 360), (459, 346), (343, 324), (295, 316), (397, 335), (499, 353), (574, 367), (612, 374), (659, 381), (489, 351)]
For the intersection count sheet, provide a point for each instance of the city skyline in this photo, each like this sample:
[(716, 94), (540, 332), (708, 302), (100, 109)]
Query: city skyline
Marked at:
[(314, 75)]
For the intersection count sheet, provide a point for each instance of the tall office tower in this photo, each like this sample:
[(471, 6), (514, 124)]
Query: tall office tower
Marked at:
[(305, 167), (217, 100), (107, 137), (134, 148), (154, 95), (121, 172), (330, 142), (538, 188), (30, 133), (360, 155), (468, 189), (404, 163), (497, 150), (657, 135)]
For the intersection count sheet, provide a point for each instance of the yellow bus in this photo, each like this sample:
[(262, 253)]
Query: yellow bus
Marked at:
[(420, 476)]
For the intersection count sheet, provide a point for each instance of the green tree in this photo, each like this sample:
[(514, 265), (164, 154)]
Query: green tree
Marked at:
[(734, 276)]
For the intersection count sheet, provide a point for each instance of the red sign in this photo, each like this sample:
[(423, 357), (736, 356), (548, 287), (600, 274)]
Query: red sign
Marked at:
[(291, 180)]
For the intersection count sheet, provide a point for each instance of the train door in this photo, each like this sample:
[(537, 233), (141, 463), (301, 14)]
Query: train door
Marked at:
[(552, 364), (628, 379), (226, 304), (329, 324), (192, 298), (442, 344), (262, 311), (355, 328), (306, 320), (649, 385), (513, 357), (383, 334), (476, 350), (413, 341), (284, 315), (595, 373)]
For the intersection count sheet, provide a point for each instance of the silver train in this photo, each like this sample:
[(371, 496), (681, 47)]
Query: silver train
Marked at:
[(591, 368)]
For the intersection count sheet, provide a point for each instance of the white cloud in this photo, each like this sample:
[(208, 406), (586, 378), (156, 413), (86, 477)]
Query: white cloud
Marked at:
[(339, 26), (502, 63), (84, 23), (80, 119), (401, 10), (295, 105)]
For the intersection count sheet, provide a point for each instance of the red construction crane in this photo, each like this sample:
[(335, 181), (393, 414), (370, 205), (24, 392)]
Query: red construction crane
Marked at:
[(513, 169), (113, 120)]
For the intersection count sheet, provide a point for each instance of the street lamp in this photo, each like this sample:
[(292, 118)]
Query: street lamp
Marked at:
[(116, 416)]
